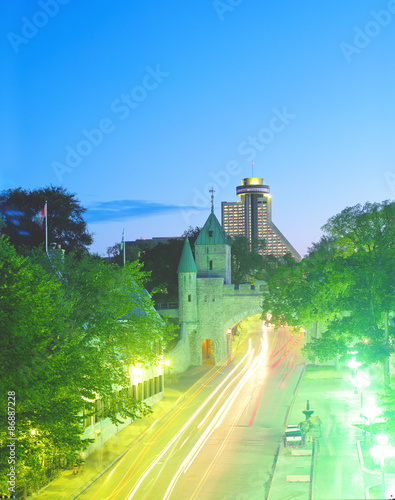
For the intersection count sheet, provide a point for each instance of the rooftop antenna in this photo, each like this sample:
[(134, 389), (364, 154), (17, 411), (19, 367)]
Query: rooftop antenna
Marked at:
[(252, 168), (212, 191)]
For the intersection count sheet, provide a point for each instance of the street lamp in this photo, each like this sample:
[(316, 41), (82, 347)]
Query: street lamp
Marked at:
[(354, 365), (361, 381), (371, 412), (167, 363), (381, 451)]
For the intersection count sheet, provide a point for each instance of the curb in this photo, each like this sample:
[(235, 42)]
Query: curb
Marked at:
[(88, 485)]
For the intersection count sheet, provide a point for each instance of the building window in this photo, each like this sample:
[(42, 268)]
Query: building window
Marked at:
[(211, 265), (210, 234), (189, 298)]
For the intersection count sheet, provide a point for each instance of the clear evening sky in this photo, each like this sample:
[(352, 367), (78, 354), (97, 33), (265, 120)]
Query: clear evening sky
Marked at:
[(140, 107)]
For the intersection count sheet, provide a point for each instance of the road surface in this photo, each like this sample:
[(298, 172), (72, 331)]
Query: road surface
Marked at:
[(221, 440)]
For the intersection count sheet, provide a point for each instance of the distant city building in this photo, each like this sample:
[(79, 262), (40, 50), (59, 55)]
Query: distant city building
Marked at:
[(252, 217), (144, 243)]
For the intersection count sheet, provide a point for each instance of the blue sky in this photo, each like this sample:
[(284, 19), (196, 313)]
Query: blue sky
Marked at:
[(140, 107)]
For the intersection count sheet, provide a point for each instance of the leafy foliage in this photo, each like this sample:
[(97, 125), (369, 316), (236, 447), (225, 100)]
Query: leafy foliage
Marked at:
[(346, 283), (162, 262), (19, 210), (70, 329)]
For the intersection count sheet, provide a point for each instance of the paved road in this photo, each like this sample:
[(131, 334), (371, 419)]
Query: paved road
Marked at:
[(233, 461), (237, 460)]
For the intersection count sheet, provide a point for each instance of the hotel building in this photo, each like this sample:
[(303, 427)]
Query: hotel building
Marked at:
[(251, 216)]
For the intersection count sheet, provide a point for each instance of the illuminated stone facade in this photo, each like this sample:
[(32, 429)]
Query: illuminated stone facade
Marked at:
[(209, 305)]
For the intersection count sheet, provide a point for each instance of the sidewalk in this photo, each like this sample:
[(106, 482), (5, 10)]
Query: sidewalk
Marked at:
[(335, 470), (69, 486)]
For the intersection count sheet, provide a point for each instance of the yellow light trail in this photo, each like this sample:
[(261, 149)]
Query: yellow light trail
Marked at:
[(185, 426)]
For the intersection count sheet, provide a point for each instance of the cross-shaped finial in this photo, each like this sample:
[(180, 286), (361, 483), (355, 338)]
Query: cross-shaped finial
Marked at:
[(212, 191)]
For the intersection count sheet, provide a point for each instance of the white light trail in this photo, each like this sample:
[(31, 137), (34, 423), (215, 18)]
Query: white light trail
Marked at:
[(248, 371), (186, 425)]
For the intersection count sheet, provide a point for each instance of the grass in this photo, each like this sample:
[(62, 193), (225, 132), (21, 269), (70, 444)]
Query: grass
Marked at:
[(322, 372)]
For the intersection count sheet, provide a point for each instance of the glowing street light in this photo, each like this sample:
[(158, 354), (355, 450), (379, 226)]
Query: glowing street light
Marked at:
[(371, 412), (354, 365), (167, 364), (381, 451), (361, 381)]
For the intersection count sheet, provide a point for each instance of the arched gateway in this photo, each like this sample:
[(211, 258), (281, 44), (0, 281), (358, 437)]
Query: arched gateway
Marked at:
[(209, 305)]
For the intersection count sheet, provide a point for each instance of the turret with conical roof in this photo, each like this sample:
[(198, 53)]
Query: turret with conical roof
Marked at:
[(213, 251), (187, 300)]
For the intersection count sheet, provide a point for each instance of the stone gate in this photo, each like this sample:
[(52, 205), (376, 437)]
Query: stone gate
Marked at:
[(209, 305)]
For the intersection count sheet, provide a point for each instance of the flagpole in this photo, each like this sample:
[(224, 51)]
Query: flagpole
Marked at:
[(46, 227)]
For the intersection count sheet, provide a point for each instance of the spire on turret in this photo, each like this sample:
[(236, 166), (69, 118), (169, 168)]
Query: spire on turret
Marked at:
[(212, 191), (187, 262)]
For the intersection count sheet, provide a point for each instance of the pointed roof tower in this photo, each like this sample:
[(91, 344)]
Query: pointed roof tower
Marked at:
[(187, 262), (213, 251), (212, 233)]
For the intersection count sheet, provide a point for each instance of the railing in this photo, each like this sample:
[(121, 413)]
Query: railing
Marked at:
[(167, 305)]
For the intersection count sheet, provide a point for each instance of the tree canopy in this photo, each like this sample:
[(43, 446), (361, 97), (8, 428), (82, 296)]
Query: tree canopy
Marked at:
[(20, 209), (247, 264), (346, 283), (162, 261), (70, 328)]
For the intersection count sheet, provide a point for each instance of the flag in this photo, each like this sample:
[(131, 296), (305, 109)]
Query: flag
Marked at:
[(123, 240), (43, 216), (40, 217)]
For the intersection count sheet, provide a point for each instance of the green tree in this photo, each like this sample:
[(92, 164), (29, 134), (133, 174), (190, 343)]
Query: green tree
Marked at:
[(161, 261), (19, 209), (364, 282), (70, 329), (347, 283), (115, 253)]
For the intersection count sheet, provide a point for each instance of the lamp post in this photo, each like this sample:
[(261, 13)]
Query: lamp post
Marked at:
[(354, 365), (371, 412), (381, 451), (307, 412), (361, 381)]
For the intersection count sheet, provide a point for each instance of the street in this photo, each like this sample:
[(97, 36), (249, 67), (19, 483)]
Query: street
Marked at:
[(221, 439)]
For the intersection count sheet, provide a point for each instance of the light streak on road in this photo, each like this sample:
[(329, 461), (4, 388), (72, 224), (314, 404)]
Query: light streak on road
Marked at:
[(205, 436), (286, 376), (124, 479), (186, 425), (217, 420), (200, 425)]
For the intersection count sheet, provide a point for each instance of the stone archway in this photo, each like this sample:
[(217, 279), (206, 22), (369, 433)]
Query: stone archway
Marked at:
[(208, 357)]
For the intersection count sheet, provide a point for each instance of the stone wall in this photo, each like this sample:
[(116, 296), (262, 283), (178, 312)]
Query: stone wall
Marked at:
[(180, 356)]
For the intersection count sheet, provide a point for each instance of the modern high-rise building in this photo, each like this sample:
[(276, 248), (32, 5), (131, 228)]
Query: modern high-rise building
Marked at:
[(252, 217)]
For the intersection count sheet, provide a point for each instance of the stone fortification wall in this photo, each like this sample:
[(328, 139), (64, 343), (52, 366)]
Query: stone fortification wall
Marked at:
[(211, 314), (241, 301), (219, 255), (187, 297), (180, 356)]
